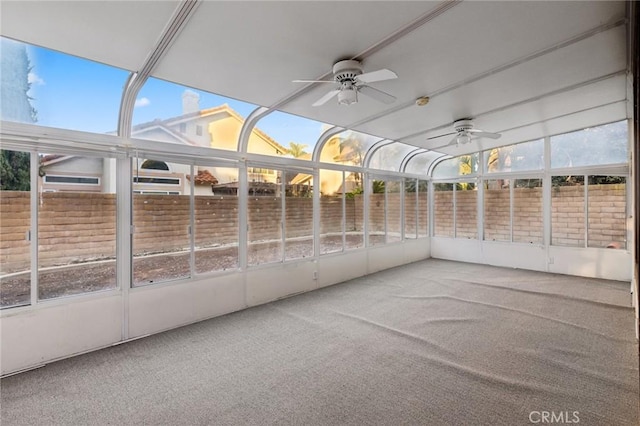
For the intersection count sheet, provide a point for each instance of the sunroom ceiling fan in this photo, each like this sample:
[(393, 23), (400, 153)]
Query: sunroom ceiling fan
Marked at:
[(465, 133), (350, 81)]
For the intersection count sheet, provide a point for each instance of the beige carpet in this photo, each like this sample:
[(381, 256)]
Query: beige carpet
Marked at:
[(431, 343)]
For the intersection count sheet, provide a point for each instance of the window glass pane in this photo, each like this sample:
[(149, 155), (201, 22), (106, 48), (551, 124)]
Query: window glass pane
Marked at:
[(497, 210), (515, 158), (458, 166), (216, 220), (466, 210), (443, 209), (419, 164), (332, 204), (410, 208), (265, 218), (527, 211), (15, 217), (278, 128), (567, 211), (169, 112), (607, 211), (298, 215), (593, 146), (394, 212), (347, 147), (389, 157), (354, 210), (423, 208), (161, 219), (377, 211), (76, 226), (57, 90)]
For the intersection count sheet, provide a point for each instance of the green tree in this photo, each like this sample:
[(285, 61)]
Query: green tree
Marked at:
[(14, 75), (352, 150), (378, 186), (297, 149), (14, 170), (16, 106)]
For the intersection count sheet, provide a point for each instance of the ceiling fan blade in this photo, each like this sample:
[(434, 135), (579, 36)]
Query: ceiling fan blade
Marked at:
[(483, 134), (313, 81), (441, 136), (376, 94), (383, 74), (323, 100), (435, 148)]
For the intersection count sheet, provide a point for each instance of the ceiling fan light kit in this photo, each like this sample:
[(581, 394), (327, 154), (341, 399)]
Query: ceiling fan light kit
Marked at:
[(463, 138), (465, 133), (347, 96), (351, 80)]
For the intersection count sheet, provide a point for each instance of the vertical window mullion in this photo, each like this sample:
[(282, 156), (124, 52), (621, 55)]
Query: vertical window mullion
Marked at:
[(366, 202), (344, 213), (283, 215), (586, 211), (511, 207), (386, 211), (455, 211), (192, 223), (243, 216), (33, 243), (417, 212)]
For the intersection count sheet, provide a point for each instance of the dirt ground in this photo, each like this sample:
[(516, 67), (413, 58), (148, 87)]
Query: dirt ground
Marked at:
[(96, 276)]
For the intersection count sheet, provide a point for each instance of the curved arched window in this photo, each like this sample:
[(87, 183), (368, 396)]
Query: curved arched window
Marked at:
[(282, 134), (173, 113), (347, 148), (419, 164), (154, 165), (389, 157)]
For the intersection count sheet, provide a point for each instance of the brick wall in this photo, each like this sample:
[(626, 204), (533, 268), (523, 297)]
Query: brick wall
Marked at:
[(497, 215), (567, 216), (527, 215), (14, 224), (607, 215), (467, 214), (443, 213), (79, 226)]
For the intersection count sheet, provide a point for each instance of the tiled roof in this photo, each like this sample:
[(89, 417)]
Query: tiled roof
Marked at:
[(204, 177)]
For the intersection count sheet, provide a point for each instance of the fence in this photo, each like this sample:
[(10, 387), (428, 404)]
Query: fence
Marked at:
[(77, 227)]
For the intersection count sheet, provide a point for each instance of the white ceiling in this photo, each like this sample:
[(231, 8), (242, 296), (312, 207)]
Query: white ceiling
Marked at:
[(527, 69)]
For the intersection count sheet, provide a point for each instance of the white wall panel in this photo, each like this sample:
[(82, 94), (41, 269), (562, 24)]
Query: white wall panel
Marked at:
[(161, 307), (609, 264), (385, 257), (415, 250), (585, 262), (31, 337), (523, 256), (333, 269), (272, 282), (457, 249)]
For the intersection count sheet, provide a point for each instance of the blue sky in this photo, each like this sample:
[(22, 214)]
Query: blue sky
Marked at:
[(78, 94)]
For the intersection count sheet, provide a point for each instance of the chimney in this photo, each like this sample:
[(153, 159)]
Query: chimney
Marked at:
[(190, 102)]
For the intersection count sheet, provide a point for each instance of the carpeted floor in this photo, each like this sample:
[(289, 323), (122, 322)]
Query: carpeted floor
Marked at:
[(431, 343)]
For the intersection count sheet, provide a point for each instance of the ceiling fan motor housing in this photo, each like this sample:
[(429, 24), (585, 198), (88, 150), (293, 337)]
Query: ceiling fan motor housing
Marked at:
[(346, 70), (463, 125)]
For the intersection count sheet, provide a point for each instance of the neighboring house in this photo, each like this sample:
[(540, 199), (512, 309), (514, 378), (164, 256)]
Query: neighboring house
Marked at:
[(217, 127), (341, 151), (70, 173)]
